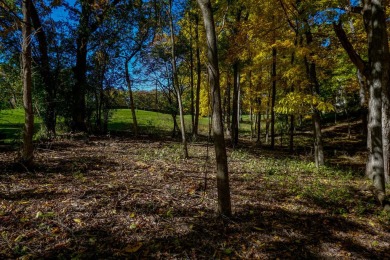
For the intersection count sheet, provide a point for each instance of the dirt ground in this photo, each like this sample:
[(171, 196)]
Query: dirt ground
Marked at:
[(121, 198)]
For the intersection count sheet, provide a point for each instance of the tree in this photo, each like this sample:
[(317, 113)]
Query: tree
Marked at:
[(176, 82), (376, 71), (45, 72), (91, 17), (224, 203), (28, 132)]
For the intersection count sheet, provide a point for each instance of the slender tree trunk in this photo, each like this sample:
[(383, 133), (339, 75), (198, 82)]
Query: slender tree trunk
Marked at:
[(176, 84), (292, 119), (224, 203), (363, 106), (235, 112), (251, 121), (192, 82), (267, 118), (80, 72), (228, 105), (198, 80), (316, 117), (259, 123), (46, 74), (132, 107), (273, 98), (175, 125), (28, 132)]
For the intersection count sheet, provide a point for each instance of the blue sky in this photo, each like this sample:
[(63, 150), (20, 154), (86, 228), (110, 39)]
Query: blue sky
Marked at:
[(60, 13)]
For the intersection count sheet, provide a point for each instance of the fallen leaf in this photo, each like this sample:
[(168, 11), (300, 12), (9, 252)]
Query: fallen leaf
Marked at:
[(77, 220), (258, 229), (133, 248)]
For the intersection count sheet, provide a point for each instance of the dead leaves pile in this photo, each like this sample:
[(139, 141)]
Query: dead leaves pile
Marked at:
[(123, 198)]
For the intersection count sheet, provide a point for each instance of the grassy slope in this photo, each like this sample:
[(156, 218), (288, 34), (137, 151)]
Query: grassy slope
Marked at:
[(150, 122), (11, 122)]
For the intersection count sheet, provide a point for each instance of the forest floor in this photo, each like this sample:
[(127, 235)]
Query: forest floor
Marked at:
[(123, 198)]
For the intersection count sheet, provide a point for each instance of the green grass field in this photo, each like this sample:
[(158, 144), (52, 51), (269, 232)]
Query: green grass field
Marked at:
[(11, 123)]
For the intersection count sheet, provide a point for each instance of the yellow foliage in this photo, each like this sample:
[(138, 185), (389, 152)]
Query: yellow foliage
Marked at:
[(300, 103)]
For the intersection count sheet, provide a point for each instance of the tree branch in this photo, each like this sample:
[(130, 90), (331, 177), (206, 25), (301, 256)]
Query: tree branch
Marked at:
[(347, 45)]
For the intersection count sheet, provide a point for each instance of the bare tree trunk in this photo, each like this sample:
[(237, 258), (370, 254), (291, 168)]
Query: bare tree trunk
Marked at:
[(273, 97), (224, 202), (316, 117), (292, 133), (228, 105), (132, 107), (198, 80), (376, 72), (235, 112), (363, 106), (46, 74), (267, 118), (28, 132), (374, 18), (176, 84), (259, 123), (80, 72), (192, 82)]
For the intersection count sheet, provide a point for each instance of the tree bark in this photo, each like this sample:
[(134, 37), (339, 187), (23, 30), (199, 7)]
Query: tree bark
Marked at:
[(374, 18), (192, 82), (132, 107), (376, 72), (46, 73), (80, 71), (176, 84), (228, 104), (224, 203), (235, 112), (291, 146), (273, 98), (199, 77), (28, 132), (363, 106), (316, 116), (258, 141)]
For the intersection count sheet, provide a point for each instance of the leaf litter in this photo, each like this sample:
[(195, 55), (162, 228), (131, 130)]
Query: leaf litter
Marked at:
[(125, 198)]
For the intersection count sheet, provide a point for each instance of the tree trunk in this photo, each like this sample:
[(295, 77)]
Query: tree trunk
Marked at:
[(363, 105), (376, 72), (198, 80), (46, 74), (132, 107), (291, 147), (228, 105), (374, 18), (28, 132), (273, 97), (259, 123), (80, 71), (235, 112), (224, 203), (316, 117), (176, 84), (267, 118), (192, 82)]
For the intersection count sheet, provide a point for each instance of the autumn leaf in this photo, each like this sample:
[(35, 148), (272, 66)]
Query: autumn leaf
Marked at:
[(133, 247), (78, 221)]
